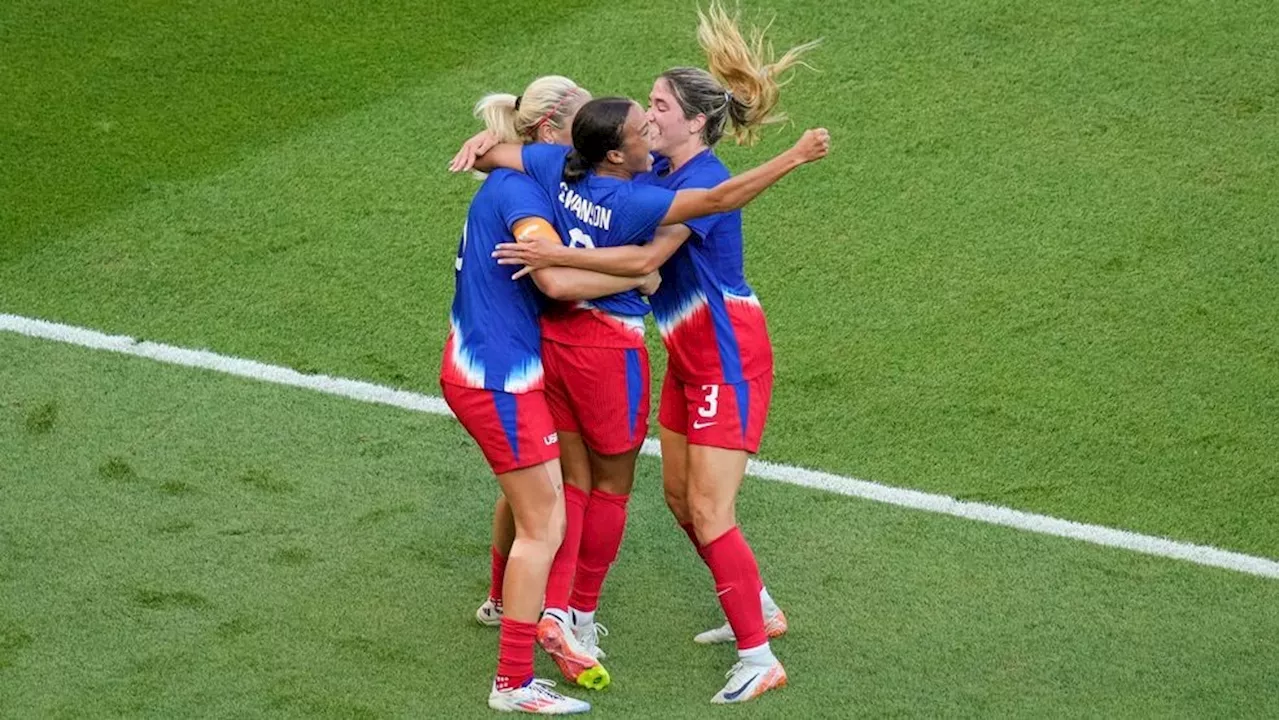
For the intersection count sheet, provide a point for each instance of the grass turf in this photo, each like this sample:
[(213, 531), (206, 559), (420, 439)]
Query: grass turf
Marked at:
[(1036, 271), (177, 543)]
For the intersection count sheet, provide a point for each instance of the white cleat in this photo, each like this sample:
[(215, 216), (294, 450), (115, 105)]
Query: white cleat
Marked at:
[(750, 681), (490, 613), (589, 635), (536, 697), (775, 624)]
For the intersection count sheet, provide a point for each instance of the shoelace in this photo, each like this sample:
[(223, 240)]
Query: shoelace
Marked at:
[(590, 641), (594, 631), (737, 667), (542, 686)]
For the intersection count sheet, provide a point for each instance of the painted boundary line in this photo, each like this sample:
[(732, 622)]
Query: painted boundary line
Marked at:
[(369, 392)]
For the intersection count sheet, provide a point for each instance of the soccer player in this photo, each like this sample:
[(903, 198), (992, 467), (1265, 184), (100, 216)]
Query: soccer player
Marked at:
[(611, 140), (542, 113), (492, 378), (596, 389), (717, 389)]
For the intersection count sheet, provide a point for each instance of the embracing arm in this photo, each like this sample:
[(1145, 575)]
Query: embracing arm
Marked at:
[(483, 152), (627, 260), (565, 283), (737, 191)]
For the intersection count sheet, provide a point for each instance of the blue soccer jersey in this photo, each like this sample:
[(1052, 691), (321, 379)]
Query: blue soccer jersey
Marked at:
[(494, 342), (597, 211), (710, 319)]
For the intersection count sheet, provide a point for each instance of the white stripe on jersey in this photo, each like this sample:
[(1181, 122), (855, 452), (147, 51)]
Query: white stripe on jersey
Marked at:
[(747, 299), (463, 361), (524, 378), (691, 306)]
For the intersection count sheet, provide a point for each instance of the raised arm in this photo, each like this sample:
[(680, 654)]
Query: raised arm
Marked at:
[(737, 191), (628, 260)]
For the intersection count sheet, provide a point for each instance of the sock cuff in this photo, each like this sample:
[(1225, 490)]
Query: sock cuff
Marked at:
[(575, 493), (515, 628), (728, 535), (611, 498)]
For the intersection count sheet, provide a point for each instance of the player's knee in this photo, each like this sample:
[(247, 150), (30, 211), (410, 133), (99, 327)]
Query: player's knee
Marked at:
[(544, 528), (709, 514)]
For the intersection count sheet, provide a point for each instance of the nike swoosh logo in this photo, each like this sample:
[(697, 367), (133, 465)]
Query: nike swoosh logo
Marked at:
[(701, 425), (734, 695)]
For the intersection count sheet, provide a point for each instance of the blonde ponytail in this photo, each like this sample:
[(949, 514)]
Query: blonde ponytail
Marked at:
[(744, 81), (498, 111), (549, 100)]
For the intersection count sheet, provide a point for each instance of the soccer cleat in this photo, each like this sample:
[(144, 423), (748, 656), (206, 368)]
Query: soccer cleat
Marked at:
[(490, 613), (536, 697), (588, 636), (775, 624), (750, 681), (578, 665)]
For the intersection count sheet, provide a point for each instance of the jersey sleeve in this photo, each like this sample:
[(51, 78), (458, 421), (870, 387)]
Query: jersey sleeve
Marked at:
[(544, 163), (521, 197), (646, 208), (704, 179)]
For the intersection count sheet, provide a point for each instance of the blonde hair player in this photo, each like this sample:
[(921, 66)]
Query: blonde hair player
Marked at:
[(492, 378), (718, 385), (544, 113)]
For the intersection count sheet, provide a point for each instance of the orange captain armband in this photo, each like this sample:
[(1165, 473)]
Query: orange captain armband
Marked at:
[(535, 229)]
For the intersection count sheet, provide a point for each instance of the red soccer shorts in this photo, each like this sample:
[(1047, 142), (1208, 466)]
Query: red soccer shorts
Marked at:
[(601, 393), (730, 416), (513, 430)]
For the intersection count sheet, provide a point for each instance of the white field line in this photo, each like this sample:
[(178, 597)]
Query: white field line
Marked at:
[(369, 392)]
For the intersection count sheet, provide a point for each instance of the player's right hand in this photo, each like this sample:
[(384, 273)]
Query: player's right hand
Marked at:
[(651, 283), (813, 145), (479, 144)]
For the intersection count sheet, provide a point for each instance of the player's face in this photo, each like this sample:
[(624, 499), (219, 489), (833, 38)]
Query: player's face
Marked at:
[(637, 141), (669, 124)]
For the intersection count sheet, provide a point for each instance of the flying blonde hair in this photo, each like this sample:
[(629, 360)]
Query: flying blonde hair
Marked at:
[(742, 82)]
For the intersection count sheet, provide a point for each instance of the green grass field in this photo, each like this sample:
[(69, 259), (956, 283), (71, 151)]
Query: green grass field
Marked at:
[(1039, 270)]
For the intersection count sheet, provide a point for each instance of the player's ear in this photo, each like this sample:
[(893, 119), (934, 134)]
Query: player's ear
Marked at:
[(695, 125), (616, 157)]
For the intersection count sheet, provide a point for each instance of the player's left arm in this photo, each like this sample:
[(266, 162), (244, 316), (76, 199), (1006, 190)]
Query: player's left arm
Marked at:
[(536, 253), (736, 192), (566, 283)]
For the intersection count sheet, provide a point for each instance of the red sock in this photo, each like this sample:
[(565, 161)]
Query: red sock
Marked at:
[(515, 653), (602, 529), (693, 538), (737, 577), (560, 581), (497, 569)]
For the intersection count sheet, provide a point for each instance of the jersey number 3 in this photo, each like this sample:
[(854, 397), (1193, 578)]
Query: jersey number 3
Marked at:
[(712, 401)]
